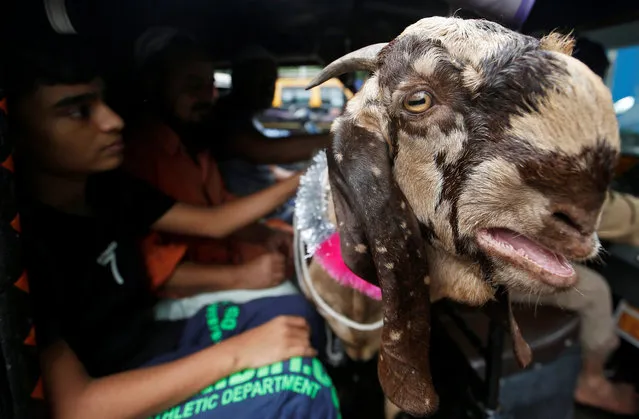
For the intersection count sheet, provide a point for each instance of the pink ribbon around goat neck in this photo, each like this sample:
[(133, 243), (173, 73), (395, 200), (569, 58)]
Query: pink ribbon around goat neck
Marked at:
[(329, 256)]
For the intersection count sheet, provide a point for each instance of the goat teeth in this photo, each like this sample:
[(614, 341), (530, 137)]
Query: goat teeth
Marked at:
[(506, 245)]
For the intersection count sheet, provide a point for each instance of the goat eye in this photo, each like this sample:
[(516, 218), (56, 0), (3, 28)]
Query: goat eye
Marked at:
[(418, 102)]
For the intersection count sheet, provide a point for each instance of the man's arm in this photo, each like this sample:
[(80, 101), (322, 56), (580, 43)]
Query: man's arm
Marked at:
[(223, 220), (143, 392), (264, 271), (254, 147), (276, 240), (254, 233), (194, 278)]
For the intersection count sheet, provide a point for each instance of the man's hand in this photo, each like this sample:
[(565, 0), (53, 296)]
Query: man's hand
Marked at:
[(265, 271), (280, 173), (282, 338), (273, 239), (280, 241)]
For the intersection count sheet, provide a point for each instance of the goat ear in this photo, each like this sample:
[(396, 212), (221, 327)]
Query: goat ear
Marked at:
[(380, 237)]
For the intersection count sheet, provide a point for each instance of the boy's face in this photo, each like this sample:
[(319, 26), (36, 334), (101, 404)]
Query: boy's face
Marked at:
[(190, 91), (68, 129)]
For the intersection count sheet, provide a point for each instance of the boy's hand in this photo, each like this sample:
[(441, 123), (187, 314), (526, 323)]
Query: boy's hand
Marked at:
[(282, 338), (265, 271)]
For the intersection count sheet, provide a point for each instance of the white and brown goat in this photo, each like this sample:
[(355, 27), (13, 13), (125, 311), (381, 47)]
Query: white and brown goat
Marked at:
[(473, 159)]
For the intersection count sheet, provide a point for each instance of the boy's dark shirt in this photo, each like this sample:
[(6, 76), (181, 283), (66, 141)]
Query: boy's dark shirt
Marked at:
[(87, 278)]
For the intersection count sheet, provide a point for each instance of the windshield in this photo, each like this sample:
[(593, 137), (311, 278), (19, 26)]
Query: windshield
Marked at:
[(297, 97), (332, 97)]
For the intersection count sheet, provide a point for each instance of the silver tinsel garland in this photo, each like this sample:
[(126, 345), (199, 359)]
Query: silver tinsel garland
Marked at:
[(311, 205)]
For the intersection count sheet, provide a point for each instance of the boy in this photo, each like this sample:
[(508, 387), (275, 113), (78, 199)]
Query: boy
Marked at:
[(102, 355)]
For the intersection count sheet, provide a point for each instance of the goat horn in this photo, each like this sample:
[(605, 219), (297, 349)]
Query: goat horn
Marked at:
[(363, 59)]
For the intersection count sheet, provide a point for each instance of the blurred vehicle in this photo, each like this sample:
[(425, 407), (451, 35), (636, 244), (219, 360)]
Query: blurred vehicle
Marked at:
[(294, 107)]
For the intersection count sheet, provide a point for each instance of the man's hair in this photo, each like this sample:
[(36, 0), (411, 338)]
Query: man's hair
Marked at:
[(250, 59), (67, 59), (593, 55), (251, 54), (161, 49)]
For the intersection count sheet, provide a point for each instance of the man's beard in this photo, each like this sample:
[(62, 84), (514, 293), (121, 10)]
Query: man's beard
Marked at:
[(195, 136)]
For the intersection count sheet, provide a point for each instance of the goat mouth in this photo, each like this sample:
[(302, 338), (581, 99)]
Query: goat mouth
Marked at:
[(550, 267)]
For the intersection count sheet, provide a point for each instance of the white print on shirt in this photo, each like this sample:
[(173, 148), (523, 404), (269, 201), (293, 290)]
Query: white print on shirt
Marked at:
[(108, 258)]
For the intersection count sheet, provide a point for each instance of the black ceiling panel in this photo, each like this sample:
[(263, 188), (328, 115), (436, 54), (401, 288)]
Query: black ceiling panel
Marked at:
[(292, 29)]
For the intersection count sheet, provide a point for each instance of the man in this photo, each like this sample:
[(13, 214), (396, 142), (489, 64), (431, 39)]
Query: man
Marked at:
[(165, 147), (246, 152), (102, 354)]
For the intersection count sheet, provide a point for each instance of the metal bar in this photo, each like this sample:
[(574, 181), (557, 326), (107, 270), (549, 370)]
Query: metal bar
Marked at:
[(494, 351), (468, 333), (465, 376), (454, 377)]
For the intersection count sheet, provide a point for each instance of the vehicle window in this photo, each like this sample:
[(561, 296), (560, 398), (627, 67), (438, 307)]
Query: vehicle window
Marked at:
[(623, 80), (332, 97), (297, 97), (299, 111), (223, 82)]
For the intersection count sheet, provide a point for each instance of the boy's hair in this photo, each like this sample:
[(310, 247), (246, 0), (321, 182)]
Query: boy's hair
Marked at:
[(65, 59)]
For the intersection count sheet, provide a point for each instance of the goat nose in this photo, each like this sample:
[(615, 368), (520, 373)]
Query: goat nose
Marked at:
[(576, 219)]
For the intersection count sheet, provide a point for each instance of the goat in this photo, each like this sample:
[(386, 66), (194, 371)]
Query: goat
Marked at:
[(474, 160)]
